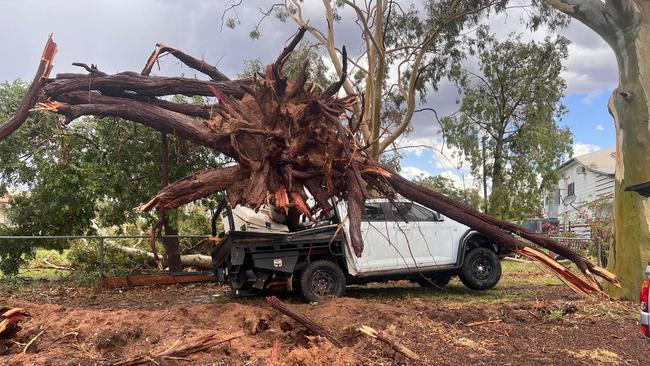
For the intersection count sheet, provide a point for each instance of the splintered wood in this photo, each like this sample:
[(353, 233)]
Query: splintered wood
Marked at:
[(288, 138), (301, 318)]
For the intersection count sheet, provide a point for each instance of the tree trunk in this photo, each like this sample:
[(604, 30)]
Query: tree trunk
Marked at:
[(190, 260), (630, 250), (625, 26), (171, 244), (172, 250), (496, 196)]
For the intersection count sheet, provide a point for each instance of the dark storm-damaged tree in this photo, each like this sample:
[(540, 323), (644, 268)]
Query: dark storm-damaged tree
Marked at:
[(88, 174), (286, 138), (507, 120)]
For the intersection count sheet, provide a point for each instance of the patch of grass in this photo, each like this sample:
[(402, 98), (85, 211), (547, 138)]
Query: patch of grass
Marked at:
[(519, 281), (556, 315)]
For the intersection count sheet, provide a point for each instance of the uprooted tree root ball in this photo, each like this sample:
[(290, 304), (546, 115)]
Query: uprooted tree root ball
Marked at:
[(287, 137)]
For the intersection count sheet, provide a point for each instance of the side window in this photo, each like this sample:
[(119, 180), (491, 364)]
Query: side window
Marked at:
[(411, 212), (425, 214), (571, 189), (374, 212)]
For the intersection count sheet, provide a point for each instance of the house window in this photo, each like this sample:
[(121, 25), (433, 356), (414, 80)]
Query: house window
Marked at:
[(571, 189)]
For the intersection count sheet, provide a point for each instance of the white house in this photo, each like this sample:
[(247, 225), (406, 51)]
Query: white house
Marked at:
[(583, 179), (4, 202)]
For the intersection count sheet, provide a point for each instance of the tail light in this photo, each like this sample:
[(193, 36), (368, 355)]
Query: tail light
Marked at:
[(644, 295), (644, 304)]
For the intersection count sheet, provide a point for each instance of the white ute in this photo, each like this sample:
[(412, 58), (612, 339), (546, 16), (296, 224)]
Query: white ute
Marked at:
[(402, 240)]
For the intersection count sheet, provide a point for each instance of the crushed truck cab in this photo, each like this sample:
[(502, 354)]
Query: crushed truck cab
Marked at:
[(403, 240)]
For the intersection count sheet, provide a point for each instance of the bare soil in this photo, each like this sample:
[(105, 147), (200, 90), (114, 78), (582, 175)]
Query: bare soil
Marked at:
[(535, 324)]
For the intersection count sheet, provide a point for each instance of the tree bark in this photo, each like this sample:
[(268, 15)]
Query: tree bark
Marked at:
[(301, 318), (189, 260), (170, 240), (625, 26), (42, 74)]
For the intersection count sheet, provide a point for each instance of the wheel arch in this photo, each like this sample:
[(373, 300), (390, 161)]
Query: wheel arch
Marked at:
[(474, 239)]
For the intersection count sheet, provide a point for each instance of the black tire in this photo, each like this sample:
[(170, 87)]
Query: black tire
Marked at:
[(481, 269), (433, 281), (320, 280)]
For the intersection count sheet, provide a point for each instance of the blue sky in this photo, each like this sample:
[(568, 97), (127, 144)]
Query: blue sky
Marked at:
[(587, 117), (590, 73)]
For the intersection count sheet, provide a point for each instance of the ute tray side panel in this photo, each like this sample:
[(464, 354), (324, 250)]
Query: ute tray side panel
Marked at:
[(238, 244)]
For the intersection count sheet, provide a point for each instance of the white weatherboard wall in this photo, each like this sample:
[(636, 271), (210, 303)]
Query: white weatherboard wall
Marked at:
[(593, 177), (3, 214)]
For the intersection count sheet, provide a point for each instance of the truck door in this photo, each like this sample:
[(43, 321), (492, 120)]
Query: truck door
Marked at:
[(425, 239), (379, 252)]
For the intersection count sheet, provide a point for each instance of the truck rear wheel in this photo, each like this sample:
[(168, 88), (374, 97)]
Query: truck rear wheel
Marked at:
[(481, 269), (321, 279)]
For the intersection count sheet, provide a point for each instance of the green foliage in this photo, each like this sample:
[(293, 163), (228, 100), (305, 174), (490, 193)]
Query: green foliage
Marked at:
[(598, 215), (92, 173), (511, 109), (83, 255), (318, 72), (446, 186)]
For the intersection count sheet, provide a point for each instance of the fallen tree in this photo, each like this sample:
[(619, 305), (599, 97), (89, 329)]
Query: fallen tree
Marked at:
[(287, 137), (199, 261)]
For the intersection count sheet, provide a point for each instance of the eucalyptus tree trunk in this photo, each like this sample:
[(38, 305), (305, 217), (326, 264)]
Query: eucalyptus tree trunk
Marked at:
[(625, 26)]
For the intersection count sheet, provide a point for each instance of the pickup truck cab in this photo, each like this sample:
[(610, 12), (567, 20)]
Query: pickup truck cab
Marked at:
[(403, 240)]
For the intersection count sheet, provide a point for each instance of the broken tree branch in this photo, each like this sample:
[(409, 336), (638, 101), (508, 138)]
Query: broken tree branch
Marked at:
[(42, 73), (191, 347), (302, 319), (393, 343), (194, 63)]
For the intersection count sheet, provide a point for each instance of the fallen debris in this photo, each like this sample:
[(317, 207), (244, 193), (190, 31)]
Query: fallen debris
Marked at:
[(275, 351), (30, 347), (9, 321), (302, 319), (393, 343), (157, 279), (491, 321), (178, 352)]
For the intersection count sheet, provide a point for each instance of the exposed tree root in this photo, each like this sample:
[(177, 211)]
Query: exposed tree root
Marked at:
[(286, 138)]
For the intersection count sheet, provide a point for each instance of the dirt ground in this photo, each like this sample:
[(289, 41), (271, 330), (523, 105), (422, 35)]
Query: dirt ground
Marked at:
[(535, 321)]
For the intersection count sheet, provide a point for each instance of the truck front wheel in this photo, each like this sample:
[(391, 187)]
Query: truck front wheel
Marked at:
[(481, 269), (321, 279)]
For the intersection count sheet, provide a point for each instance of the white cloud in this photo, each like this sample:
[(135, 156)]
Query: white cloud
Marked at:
[(410, 172), (462, 180), (582, 149), (600, 127)]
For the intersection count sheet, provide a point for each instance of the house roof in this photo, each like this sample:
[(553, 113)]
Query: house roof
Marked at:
[(601, 161)]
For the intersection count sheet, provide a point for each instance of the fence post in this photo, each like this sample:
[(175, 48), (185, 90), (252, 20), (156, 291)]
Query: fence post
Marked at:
[(101, 257)]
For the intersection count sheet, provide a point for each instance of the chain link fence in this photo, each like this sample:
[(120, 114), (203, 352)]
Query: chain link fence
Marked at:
[(91, 257)]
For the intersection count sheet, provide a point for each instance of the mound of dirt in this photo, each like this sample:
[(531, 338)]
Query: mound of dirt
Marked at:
[(102, 327)]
